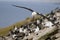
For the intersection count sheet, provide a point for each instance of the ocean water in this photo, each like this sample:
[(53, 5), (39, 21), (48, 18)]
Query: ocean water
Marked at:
[(10, 14)]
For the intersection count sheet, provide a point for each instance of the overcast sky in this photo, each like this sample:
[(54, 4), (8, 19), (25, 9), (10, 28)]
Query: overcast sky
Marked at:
[(58, 1)]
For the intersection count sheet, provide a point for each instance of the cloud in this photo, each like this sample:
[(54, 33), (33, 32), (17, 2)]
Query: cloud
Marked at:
[(50, 1)]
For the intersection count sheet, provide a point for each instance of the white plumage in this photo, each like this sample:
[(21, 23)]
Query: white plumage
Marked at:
[(14, 35), (15, 28), (37, 29), (25, 30), (33, 14), (20, 29), (48, 24), (38, 21)]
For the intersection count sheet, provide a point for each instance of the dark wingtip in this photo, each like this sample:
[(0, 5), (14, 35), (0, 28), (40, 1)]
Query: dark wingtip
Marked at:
[(15, 5), (24, 8)]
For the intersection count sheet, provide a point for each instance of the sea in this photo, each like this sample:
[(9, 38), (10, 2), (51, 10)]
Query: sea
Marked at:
[(10, 15)]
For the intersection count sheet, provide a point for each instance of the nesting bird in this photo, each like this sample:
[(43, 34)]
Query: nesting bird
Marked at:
[(15, 28), (36, 29), (14, 35), (38, 21), (48, 23), (20, 29)]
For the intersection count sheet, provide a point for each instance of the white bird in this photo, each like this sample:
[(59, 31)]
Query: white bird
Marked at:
[(13, 36), (48, 24), (29, 34), (25, 30), (20, 29), (15, 28), (38, 21), (33, 12), (36, 29)]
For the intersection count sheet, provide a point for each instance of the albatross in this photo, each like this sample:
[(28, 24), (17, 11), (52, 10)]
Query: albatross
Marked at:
[(33, 12)]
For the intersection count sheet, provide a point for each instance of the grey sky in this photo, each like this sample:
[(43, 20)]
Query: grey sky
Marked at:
[(54, 1)]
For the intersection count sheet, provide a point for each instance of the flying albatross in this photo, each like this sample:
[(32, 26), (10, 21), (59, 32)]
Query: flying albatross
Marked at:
[(33, 12)]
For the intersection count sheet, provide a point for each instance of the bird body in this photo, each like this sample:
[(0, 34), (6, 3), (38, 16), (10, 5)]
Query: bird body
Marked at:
[(48, 24), (36, 29), (34, 14), (15, 28), (20, 29)]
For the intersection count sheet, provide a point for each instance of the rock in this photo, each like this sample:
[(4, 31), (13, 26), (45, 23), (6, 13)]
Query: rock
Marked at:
[(57, 35), (45, 32), (1, 38), (57, 39), (8, 38)]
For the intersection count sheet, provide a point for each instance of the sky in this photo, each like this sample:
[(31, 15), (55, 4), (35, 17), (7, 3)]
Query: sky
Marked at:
[(47, 1)]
